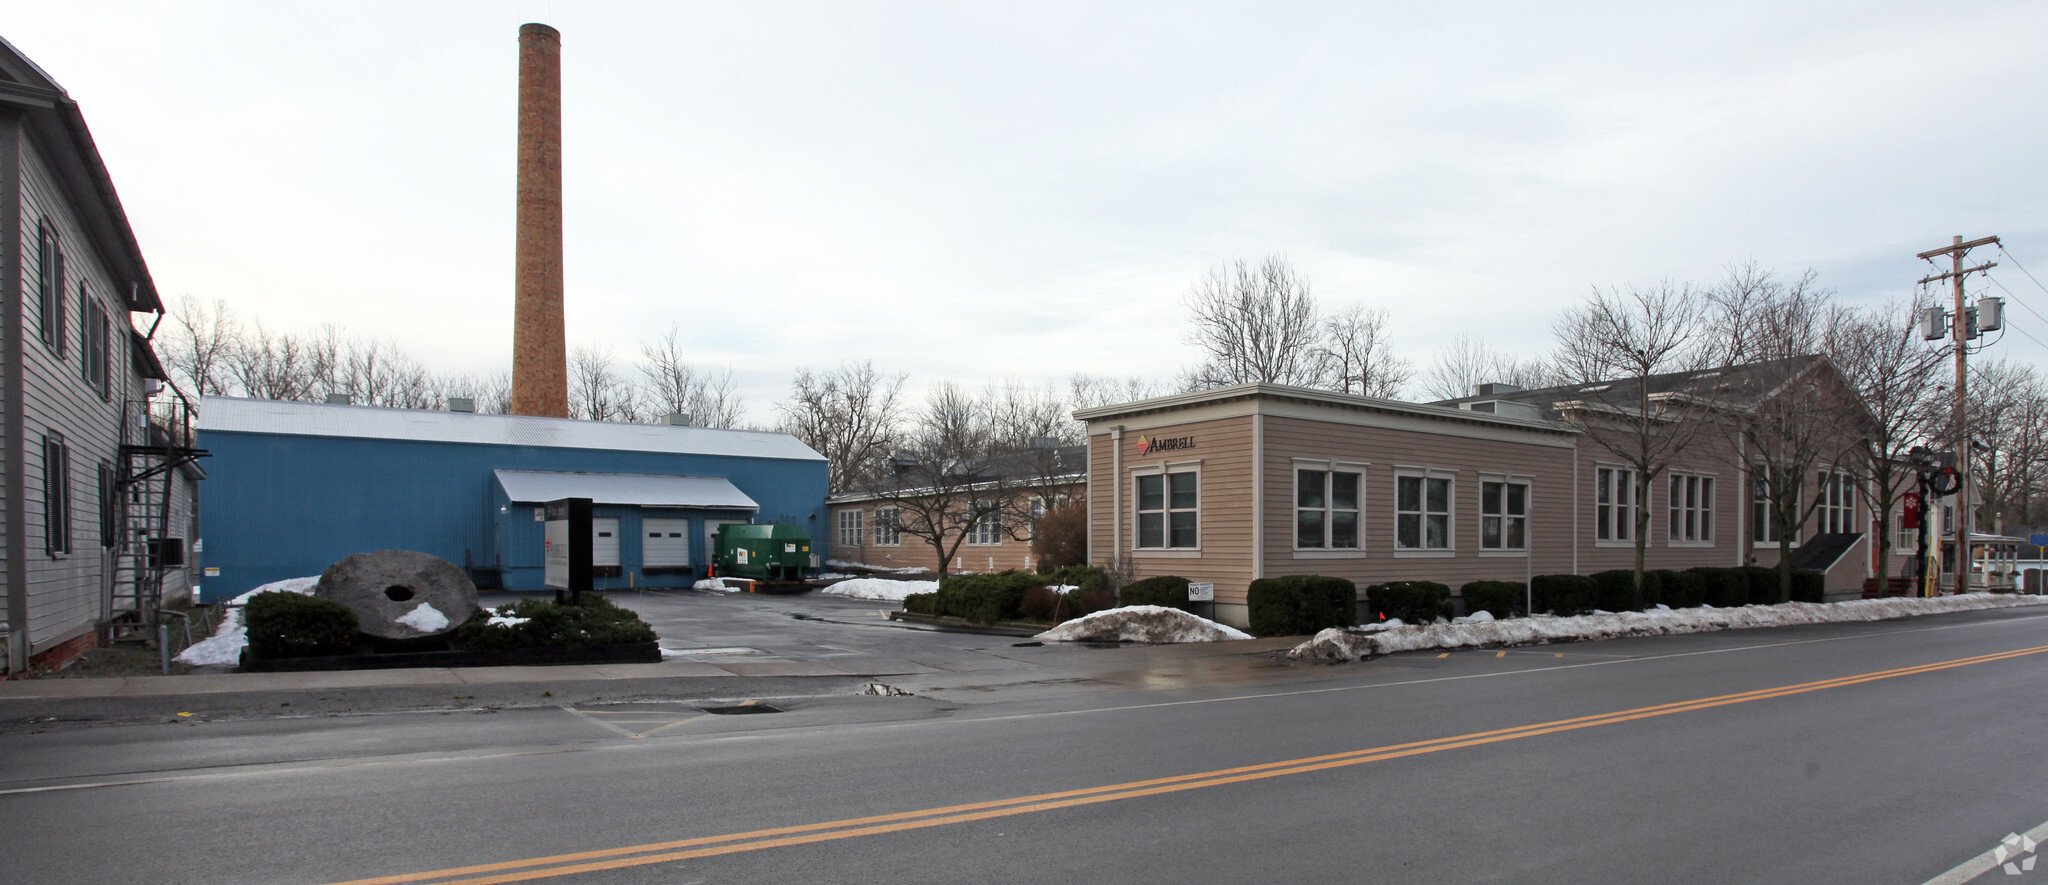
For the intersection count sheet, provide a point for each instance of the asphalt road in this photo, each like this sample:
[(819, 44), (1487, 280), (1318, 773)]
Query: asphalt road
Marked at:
[(1887, 752)]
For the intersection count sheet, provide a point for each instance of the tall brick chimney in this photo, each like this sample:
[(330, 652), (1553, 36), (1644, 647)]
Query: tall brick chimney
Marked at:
[(540, 354)]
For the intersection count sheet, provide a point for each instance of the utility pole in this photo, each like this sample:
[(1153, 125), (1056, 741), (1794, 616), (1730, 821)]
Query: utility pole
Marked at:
[(1960, 328)]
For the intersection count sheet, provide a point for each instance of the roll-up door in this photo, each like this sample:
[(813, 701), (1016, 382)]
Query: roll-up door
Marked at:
[(604, 542), (667, 543)]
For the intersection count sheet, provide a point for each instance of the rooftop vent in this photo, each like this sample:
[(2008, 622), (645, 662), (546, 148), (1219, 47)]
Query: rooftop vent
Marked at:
[(461, 404), (1495, 389), (340, 399), (678, 419)]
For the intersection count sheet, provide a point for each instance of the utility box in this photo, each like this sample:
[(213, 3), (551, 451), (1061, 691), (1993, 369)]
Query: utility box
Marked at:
[(770, 553)]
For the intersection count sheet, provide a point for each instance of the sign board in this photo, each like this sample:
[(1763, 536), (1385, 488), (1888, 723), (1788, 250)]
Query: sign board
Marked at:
[(2038, 539), (1201, 591), (566, 546), (1909, 515)]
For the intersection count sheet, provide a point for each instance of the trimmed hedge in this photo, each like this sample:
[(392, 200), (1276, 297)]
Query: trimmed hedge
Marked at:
[(1565, 594), (294, 625), (1297, 605), (1414, 602), (1725, 587), (1682, 589), (921, 603), (986, 599), (1616, 591), (1809, 586), (1167, 590), (594, 620), (1502, 599)]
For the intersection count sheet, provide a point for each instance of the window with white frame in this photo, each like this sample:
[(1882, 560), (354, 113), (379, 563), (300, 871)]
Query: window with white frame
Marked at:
[(56, 495), (1837, 511), (1503, 515), (887, 533), (1764, 525), (850, 528), (1326, 509), (1422, 512), (1616, 492), (1169, 511), (987, 530), (1908, 540), (1692, 509)]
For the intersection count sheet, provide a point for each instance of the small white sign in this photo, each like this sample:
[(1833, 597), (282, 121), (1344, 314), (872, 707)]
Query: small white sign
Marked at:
[(213, 573), (789, 548), (540, 514), (742, 554), (1201, 591)]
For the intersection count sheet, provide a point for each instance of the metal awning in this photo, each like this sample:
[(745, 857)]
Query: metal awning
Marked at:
[(632, 489)]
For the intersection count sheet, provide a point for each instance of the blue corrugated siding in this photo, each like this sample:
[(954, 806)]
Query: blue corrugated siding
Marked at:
[(285, 506)]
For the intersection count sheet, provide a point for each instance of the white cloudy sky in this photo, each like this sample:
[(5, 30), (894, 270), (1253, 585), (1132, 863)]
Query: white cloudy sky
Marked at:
[(980, 191)]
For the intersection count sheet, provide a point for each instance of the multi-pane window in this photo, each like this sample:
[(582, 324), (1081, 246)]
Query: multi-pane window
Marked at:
[(1168, 510), (1908, 540), (1615, 496), (887, 532), (1326, 509), (1837, 511), (56, 495), (95, 333), (986, 530), (850, 528), (1503, 515), (1422, 512), (1763, 512), (1692, 509), (50, 285)]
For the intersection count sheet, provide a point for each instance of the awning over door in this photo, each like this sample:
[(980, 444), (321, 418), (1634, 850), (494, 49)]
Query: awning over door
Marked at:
[(631, 489)]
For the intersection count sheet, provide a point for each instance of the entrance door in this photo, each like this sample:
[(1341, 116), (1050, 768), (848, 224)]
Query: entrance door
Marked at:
[(667, 544)]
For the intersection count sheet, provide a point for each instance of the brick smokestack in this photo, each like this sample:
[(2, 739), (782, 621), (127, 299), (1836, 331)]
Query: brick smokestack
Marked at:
[(540, 357)]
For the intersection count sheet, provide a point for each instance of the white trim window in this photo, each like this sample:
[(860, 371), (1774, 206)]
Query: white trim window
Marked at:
[(1692, 509), (1422, 512), (1837, 511), (1326, 509), (1616, 492), (1503, 515), (1169, 510), (1907, 540), (888, 532), (986, 531), (850, 531), (1763, 518)]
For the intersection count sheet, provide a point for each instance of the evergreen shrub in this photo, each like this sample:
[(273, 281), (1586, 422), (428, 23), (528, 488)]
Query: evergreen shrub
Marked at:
[(1502, 599), (1725, 587), (1414, 602), (1167, 590), (294, 625), (1682, 589), (1296, 605), (593, 620)]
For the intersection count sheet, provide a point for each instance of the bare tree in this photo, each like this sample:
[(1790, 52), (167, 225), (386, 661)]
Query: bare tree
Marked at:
[(1255, 324), (851, 415), (1881, 355), (201, 345), (674, 386), (268, 365), (1356, 356), (2009, 415), (1091, 391), (949, 480), (1633, 352), (596, 391), (1454, 370)]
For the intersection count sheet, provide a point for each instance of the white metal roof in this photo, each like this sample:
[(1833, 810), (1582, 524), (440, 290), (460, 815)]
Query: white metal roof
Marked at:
[(638, 490), (235, 415)]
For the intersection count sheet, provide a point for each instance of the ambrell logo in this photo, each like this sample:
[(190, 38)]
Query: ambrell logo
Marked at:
[(1148, 445), (2016, 852)]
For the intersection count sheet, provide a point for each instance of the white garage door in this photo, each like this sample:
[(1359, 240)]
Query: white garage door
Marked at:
[(604, 541), (667, 543)]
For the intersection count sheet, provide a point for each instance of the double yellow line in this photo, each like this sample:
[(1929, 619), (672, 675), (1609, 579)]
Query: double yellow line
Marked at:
[(779, 837)]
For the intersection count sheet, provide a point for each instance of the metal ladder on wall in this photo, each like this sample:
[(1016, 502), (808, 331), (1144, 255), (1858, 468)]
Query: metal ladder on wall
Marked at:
[(157, 440)]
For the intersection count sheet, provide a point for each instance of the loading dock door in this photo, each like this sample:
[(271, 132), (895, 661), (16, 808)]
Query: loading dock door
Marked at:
[(667, 544), (711, 536), (604, 541)]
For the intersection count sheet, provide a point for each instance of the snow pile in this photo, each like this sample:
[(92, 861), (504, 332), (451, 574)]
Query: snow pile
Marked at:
[(881, 589), (226, 644), (1154, 624), (719, 585), (426, 619), (1358, 643), (879, 569), (498, 620)]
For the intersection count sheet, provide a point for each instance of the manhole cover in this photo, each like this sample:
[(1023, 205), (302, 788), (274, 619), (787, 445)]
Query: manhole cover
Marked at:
[(741, 710)]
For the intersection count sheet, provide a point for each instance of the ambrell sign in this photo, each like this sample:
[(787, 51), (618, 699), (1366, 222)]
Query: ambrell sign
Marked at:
[(1148, 445)]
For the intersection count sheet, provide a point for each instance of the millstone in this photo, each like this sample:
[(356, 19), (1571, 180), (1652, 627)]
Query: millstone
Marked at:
[(400, 594)]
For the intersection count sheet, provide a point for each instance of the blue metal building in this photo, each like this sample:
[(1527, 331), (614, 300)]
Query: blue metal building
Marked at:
[(293, 487)]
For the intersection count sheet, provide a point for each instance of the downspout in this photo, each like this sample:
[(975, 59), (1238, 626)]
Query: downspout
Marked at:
[(14, 446), (1116, 497)]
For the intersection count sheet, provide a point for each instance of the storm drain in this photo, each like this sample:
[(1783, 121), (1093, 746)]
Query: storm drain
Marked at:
[(742, 709)]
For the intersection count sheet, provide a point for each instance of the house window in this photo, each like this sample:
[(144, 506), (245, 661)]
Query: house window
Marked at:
[(1692, 509), (887, 533), (1837, 511), (850, 530), (1503, 516), (56, 495), (93, 345), (1763, 515), (987, 530), (1908, 540), (1422, 512), (50, 285), (1326, 509), (1615, 495), (1169, 515)]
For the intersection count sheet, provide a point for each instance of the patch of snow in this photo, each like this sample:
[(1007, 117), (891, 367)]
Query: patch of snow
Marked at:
[(1155, 624), (498, 620), (719, 585), (881, 589), (1340, 644), (906, 570), (226, 644), (1479, 616), (426, 619), (832, 576)]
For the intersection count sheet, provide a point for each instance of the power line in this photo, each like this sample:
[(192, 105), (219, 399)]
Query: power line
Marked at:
[(2023, 269), (2015, 298)]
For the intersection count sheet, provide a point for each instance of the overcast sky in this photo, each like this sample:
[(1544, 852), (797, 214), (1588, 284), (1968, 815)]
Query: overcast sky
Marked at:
[(978, 191)]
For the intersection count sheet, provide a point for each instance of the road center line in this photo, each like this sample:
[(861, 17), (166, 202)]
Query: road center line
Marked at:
[(756, 840)]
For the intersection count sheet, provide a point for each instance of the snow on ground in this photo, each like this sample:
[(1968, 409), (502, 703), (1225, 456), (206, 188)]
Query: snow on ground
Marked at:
[(883, 569), (1155, 624), (878, 588), (426, 619), (719, 585), (1358, 643), (226, 644), (498, 620)]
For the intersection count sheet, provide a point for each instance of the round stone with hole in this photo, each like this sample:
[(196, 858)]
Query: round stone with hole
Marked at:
[(400, 594)]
